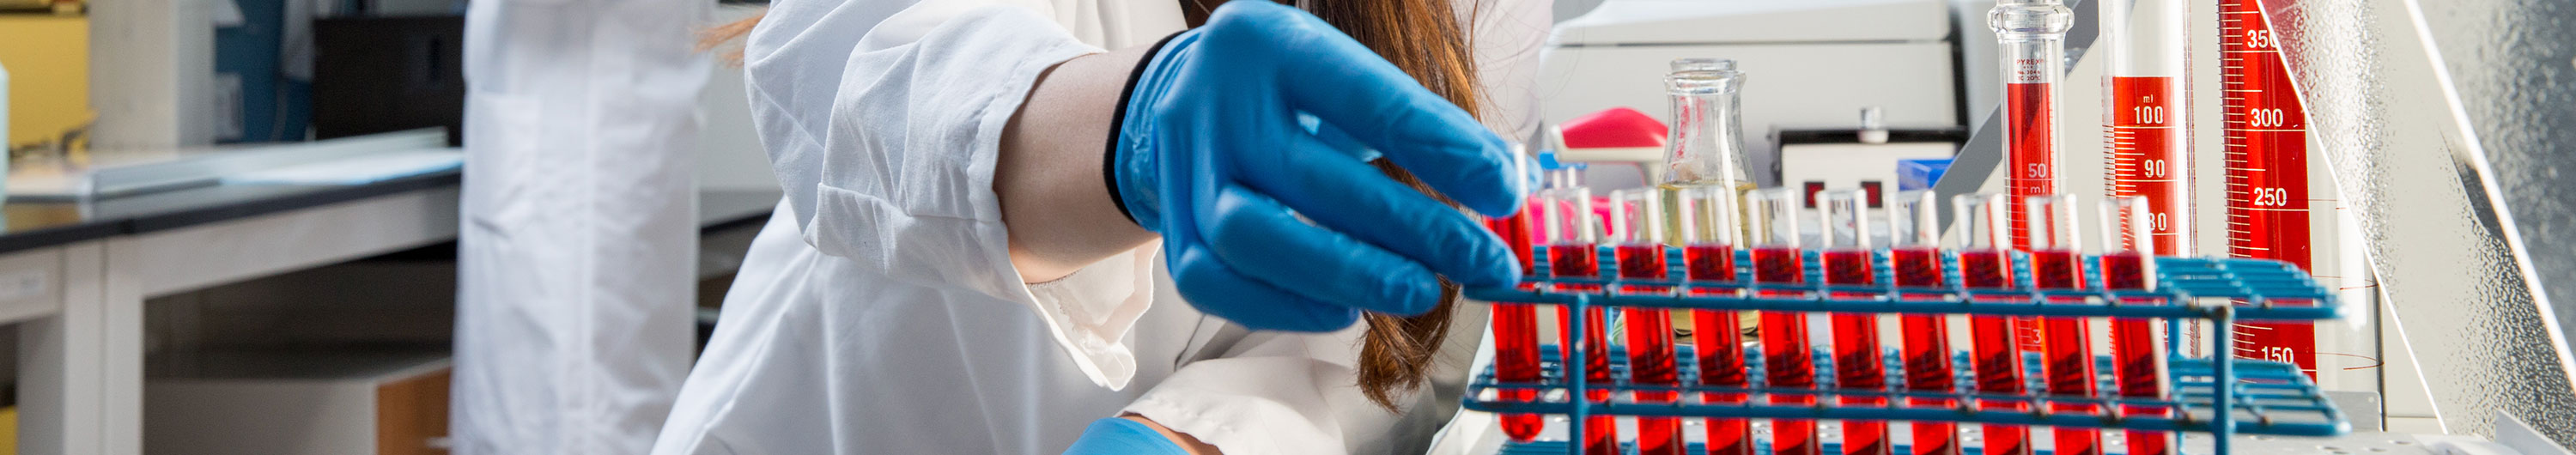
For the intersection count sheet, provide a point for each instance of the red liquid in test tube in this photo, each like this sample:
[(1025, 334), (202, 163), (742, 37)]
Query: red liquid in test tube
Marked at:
[(1650, 356), (1572, 253), (1857, 364), (1927, 351), (1914, 230), (1642, 262), (1637, 222), (1715, 263), (1516, 353), (2069, 365), (2136, 344), (1600, 431), (2139, 348), (1995, 353), (1708, 255), (2054, 264), (1788, 360)]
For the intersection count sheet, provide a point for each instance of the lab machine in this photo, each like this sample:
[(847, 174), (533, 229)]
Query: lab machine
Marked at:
[(1817, 62)]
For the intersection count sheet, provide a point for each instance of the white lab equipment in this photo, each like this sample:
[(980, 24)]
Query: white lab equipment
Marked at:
[(1817, 159), (1808, 62), (577, 246), (878, 311)]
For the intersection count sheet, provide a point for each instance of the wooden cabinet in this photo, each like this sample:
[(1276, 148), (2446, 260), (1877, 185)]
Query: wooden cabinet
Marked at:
[(297, 403)]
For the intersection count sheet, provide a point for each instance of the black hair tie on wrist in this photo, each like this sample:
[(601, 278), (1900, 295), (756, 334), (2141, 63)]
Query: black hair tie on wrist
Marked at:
[(1118, 123)]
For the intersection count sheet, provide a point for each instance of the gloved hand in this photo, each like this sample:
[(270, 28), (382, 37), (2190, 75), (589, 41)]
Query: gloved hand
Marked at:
[(1117, 436), (1234, 130)]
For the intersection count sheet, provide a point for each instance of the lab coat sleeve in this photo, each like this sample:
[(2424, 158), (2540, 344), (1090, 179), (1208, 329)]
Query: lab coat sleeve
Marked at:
[(883, 120), (1272, 393)]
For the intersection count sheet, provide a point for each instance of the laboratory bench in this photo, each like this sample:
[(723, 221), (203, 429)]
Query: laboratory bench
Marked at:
[(74, 276)]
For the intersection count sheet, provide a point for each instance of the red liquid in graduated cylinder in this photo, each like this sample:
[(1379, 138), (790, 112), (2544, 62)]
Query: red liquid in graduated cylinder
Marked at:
[(1600, 432), (1856, 353), (2069, 352), (1650, 352), (1721, 356), (2146, 150), (1997, 354), (1927, 351), (1789, 362), (2134, 342), (2031, 115), (2267, 173), (1516, 358)]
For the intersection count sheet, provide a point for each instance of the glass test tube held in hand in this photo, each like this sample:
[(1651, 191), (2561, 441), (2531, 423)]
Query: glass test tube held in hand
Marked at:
[(1516, 354), (1984, 263), (1856, 348), (1637, 222), (2128, 263), (2055, 263), (1708, 229), (1788, 359), (1914, 235)]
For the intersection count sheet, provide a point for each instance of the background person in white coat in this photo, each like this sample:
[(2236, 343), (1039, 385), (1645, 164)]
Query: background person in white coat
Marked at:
[(952, 271), (579, 238)]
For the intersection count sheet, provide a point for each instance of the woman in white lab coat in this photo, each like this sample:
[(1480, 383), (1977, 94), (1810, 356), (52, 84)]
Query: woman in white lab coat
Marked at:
[(577, 246), (889, 308)]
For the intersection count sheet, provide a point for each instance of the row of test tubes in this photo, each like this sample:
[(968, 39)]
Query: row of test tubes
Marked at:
[(1641, 223)]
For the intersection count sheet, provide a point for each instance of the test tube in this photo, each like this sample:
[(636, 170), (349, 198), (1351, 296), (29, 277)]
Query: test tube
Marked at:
[(1789, 362), (1516, 355), (2128, 263), (1914, 232), (1573, 252), (1856, 349), (1637, 225), (2069, 355), (1984, 264), (1708, 231)]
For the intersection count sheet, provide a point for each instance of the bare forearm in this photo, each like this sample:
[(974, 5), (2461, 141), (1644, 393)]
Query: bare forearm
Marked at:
[(1048, 175)]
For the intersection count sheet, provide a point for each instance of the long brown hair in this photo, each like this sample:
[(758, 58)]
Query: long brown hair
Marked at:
[(1427, 40)]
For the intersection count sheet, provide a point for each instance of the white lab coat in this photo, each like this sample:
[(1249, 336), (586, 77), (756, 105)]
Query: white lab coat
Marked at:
[(878, 311), (577, 249)]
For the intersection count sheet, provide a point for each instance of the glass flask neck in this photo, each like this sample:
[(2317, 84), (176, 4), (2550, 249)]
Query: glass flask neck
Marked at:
[(1706, 140)]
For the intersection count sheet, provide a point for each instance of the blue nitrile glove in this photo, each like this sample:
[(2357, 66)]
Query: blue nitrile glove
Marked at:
[(1232, 131), (1117, 436)]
